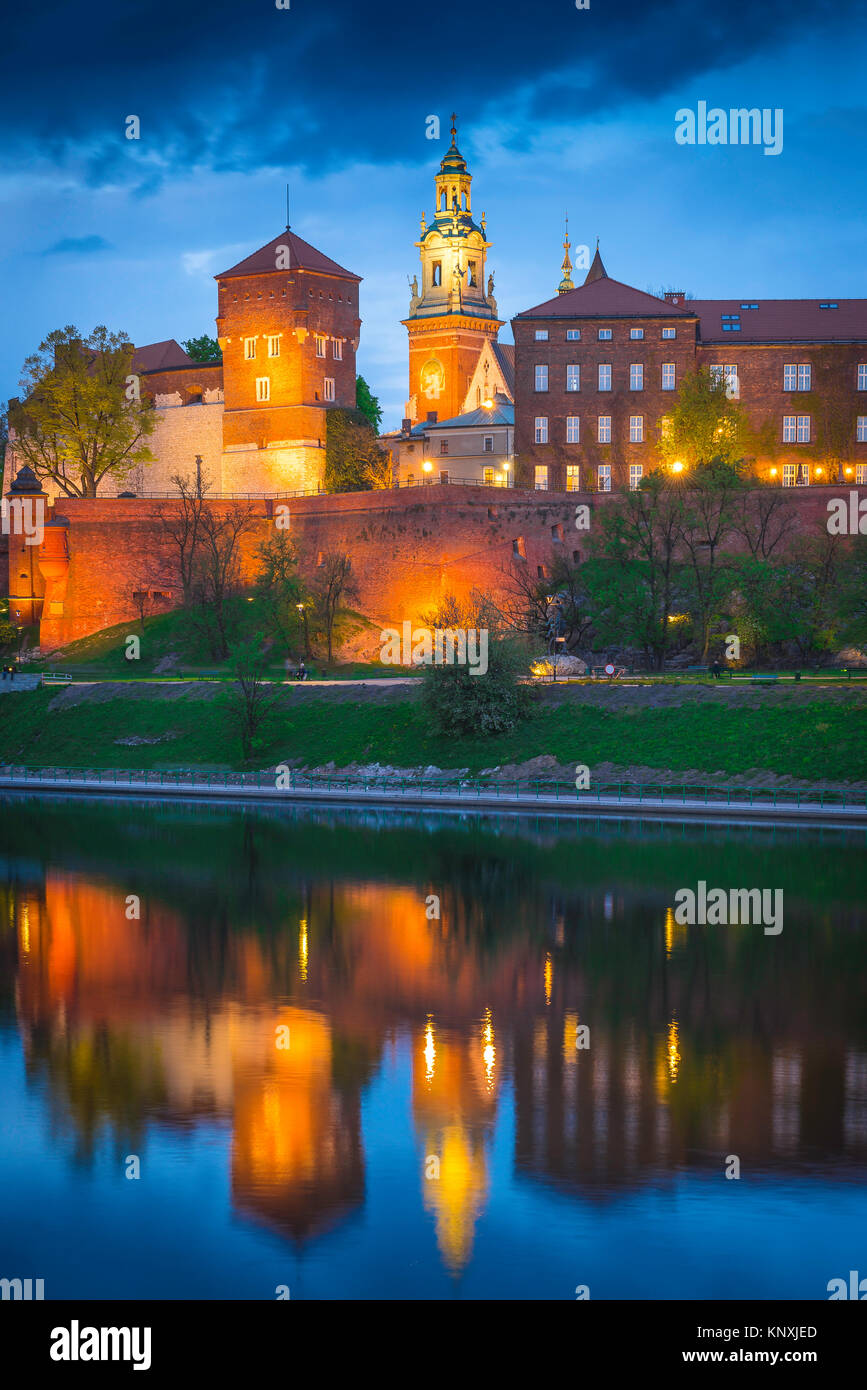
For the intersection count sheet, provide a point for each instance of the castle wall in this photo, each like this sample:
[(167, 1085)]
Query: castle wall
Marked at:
[(409, 548)]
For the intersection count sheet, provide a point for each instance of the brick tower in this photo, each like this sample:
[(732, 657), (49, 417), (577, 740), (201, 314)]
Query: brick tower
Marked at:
[(452, 315), (288, 326)]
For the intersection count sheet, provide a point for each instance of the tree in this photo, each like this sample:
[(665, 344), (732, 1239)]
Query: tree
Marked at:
[(216, 574), (764, 517), (249, 702), (352, 453), (708, 519), (203, 349), (368, 404), (181, 526), (82, 417), (280, 587), (704, 424), (458, 704), (334, 581), (833, 409)]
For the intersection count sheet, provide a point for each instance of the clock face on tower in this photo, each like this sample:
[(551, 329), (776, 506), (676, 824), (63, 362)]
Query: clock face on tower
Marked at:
[(432, 378)]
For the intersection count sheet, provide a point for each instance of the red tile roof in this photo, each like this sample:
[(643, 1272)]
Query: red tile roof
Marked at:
[(160, 357), (782, 320), (302, 256), (606, 298)]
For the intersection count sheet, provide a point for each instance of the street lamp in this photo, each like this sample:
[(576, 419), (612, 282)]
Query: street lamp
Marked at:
[(302, 618)]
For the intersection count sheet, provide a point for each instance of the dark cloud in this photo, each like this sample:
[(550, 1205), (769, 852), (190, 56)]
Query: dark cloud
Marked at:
[(78, 246), (234, 85)]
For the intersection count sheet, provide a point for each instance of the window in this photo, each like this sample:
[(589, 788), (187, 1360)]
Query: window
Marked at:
[(636, 429), (731, 323), (573, 429), (488, 475), (802, 474), (573, 335), (603, 477), (861, 430), (797, 376), (635, 474), (540, 477), (788, 475), (796, 429), (444, 477), (249, 349), (603, 429), (436, 277), (669, 332), (604, 335), (636, 376), (320, 344), (472, 272), (727, 372), (542, 377), (749, 306), (263, 388), (827, 306), (541, 335), (444, 446), (488, 443), (573, 377), (274, 345), (636, 333), (862, 376), (337, 349), (604, 376), (541, 429), (668, 376), (573, 477), (665, 426), (861, 472), (328, 391), (557, 533)]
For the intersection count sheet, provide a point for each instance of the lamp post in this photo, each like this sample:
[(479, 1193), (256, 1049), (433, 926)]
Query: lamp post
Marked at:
[(19, 628), (302, 618)]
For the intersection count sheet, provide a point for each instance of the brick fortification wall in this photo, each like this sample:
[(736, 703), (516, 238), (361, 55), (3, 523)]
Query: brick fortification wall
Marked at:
[(408, 548)]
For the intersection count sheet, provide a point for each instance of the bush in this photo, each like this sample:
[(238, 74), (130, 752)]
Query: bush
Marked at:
[(462, 705)]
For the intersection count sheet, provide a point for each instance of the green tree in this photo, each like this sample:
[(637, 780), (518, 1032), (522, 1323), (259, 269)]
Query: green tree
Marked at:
[(249, 702), (704, 424), (368, 404), (82, 417), (203, 349), (709, 514), (352, 453), (280, 588), (460, 705)]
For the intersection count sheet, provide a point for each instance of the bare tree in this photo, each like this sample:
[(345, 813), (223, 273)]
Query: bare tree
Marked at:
[(216, 572), (181, 526), (334, 582)]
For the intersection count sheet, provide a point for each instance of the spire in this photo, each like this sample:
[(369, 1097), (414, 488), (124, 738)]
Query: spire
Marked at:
[(453, 160), (566, 283), (597, 270)]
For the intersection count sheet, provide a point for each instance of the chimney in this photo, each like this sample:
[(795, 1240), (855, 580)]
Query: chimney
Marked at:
[(431, 417), (405, 425), (673, 296)]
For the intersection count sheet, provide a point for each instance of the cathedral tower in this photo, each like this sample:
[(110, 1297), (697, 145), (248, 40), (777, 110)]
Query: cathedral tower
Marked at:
[(452, 313)]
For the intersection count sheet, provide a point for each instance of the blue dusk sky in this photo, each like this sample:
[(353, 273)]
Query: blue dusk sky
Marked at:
[(559, 109)]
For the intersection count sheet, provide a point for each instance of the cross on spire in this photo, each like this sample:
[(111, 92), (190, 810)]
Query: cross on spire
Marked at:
[(454, 129)]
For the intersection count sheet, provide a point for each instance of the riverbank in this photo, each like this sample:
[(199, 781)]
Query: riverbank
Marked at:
[(718, 735)]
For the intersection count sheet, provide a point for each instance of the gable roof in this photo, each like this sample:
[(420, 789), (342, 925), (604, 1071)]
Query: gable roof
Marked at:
[(782, 320), (302, 256), (160, 357), (605, 298), (505, 355)]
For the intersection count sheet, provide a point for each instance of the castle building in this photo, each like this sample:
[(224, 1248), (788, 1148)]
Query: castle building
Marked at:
[(288, 326), (452, 312), (598, 367)]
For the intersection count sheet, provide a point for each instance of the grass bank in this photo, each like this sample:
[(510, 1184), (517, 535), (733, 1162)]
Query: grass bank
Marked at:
[(815, 738)]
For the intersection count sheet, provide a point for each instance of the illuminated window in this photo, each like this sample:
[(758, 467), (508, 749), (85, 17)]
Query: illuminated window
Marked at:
[(337, 349), (249, 349), (274, 346), (541, 429), (487, 475), (788, 475), (668, 374), (573, 377), (669, 332), (573, 429), (540, 477), (604, 378), (861, 472), (573, 477), (636, 429), (263, 388), (329, 388), (603, 429), (665, 426), (636, 376), (603, 477), (320, 344), (542, 377), (636, 470)]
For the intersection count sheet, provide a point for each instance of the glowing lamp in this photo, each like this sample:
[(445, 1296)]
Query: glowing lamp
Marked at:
[(488, 404), (848, 472), (427, 466), (677, 467), (773, 472)]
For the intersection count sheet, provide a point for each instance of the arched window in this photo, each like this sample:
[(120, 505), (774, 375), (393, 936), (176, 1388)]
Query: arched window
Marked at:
[(437, 273)]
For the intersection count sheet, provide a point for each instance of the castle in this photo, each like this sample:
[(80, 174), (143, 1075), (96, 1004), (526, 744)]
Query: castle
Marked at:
[(576, 406)]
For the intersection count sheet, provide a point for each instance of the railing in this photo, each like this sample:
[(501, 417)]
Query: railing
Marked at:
[(654, 794)]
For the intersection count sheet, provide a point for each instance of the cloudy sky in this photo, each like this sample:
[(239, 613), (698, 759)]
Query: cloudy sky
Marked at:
[(558, 109)]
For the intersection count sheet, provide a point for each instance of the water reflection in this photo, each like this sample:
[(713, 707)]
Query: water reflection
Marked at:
[(257, 976)]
